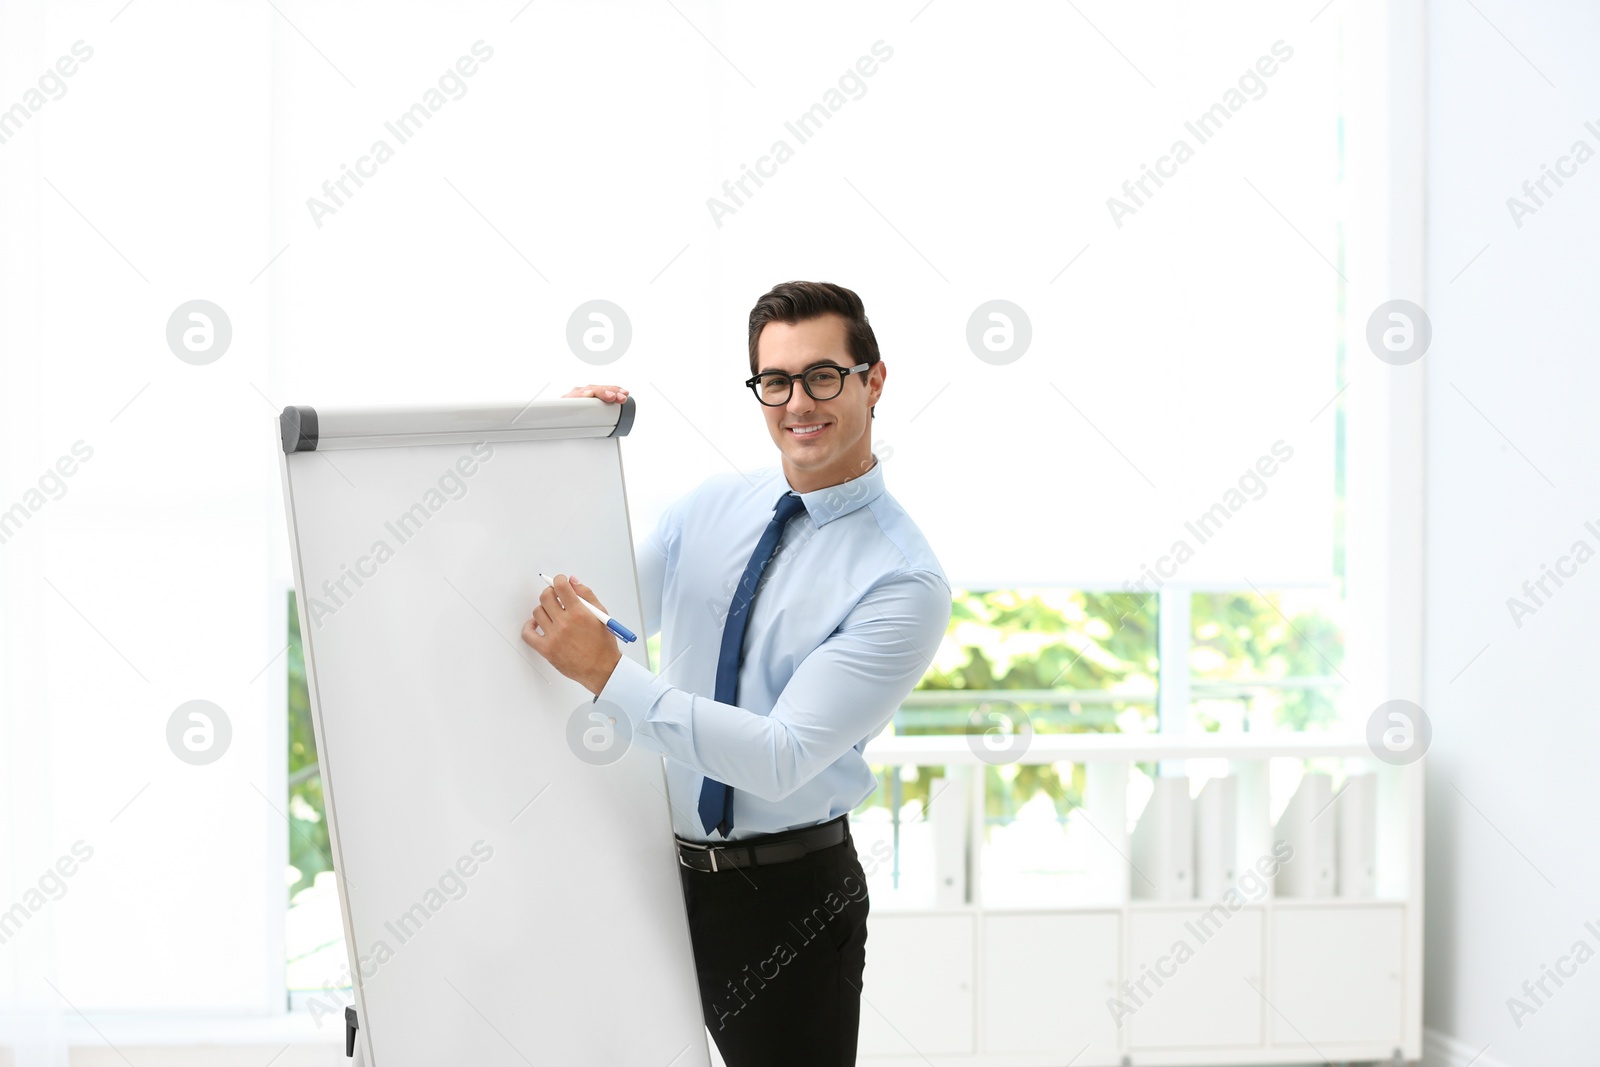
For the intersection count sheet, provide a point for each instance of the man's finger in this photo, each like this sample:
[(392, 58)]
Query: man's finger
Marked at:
[(531, 637), (566, 589), (604, 392), (588, 594), (581, 590)]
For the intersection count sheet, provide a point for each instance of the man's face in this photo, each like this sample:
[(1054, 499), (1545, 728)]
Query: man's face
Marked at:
[(839, 446)]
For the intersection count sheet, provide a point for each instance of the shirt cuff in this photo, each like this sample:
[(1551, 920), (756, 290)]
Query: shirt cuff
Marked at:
[(632, 688)]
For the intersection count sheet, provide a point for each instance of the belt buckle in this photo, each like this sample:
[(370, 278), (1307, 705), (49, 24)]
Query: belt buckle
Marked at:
[(708, 849)]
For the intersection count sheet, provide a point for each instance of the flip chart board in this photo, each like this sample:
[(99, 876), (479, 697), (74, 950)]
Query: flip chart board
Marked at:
[(505, 863)]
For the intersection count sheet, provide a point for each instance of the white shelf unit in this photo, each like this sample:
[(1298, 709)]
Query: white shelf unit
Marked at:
[(1276, 981)]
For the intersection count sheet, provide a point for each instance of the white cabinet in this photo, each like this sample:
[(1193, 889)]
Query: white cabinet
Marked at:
[(1336, 974), (975, 982), (1047, 977), (1195, 975), (916, 994)]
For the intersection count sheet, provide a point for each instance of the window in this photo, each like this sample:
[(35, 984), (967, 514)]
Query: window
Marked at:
[(314, 941), (1265, 661)]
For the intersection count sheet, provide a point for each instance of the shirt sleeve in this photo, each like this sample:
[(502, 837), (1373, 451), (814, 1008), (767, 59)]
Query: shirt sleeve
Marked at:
[(843, 693), (653, 556)]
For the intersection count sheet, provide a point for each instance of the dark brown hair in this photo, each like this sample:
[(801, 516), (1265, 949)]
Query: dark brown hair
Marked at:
[(792, 302)]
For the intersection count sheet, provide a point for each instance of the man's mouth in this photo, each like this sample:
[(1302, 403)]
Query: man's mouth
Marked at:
[(805, 431)]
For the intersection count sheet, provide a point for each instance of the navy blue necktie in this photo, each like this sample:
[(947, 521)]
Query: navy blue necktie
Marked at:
[(716, 799)]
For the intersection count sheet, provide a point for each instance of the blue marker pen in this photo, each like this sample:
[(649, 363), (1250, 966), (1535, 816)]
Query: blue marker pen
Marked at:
[(611, 624)]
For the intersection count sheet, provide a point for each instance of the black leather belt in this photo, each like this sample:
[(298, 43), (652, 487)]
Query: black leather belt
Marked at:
[(764, 850)]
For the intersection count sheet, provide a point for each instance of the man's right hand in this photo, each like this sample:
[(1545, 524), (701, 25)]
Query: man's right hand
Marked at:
[(611, 394)]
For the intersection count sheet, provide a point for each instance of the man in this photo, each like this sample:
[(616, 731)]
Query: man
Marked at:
[(798, 606)]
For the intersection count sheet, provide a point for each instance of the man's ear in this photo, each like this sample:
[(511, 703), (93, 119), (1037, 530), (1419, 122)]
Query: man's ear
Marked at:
[(876, 376)]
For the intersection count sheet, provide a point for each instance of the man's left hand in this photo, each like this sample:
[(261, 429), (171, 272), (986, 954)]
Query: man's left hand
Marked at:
[(574, 642)]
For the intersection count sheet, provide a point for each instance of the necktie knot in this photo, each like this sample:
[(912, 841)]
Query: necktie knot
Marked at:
[(789, 505)]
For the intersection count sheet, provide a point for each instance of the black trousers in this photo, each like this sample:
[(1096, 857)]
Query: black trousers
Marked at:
[(779, 952)]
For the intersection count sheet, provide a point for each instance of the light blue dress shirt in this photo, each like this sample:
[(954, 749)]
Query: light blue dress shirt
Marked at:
[(848, 616)]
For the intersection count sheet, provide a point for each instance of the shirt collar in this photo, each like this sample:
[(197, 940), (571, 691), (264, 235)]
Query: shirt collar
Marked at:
[(836, 501)]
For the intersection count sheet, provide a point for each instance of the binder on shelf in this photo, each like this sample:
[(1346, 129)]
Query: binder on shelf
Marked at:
[(1309, 828), (1358, 836), (1163, 843), (1216, 837)]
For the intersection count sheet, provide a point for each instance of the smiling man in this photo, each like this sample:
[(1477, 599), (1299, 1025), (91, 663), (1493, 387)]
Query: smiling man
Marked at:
[(798, 605)]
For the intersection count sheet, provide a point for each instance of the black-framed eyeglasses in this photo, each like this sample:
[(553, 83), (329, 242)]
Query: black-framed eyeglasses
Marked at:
[(774, 387)]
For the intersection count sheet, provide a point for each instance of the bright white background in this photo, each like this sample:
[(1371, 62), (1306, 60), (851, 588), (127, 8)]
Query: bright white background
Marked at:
[(1165, 359), (1167, 355)]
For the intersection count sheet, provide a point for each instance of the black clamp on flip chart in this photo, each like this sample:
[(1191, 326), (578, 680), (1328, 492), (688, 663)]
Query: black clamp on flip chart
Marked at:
[(350, 1028)]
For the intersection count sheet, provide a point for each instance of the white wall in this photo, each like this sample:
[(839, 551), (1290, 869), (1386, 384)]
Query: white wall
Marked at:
[(141, 581), (1512, 476)]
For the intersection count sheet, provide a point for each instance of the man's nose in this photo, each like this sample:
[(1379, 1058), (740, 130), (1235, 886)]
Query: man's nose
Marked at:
[(800, 402)]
